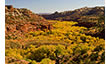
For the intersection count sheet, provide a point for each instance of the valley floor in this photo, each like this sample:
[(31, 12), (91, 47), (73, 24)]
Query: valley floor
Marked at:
[(64, 44)]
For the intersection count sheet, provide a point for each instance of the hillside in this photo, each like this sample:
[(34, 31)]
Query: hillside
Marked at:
[(77, 14), (21, 21), (92, 18)]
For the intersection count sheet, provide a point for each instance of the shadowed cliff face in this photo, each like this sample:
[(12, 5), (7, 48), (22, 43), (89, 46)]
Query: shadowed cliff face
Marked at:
[(21, 21)]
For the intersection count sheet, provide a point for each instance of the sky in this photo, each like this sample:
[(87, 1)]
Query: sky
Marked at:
[(50, 6)]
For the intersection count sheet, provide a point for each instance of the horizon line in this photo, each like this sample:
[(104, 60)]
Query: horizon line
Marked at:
[(56, 10)]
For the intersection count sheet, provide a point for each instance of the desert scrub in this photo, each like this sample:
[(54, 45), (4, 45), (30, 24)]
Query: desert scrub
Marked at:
[(65, 44)]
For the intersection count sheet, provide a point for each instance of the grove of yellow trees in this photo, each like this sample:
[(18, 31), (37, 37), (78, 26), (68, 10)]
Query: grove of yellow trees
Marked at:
[(64, 44)]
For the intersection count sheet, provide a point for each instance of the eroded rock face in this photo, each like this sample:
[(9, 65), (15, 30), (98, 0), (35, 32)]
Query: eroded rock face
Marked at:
[(9, 7), (20, 21)]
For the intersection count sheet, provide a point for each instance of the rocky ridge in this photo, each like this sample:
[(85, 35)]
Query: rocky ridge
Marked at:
[(21, 20), (76, 14)]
